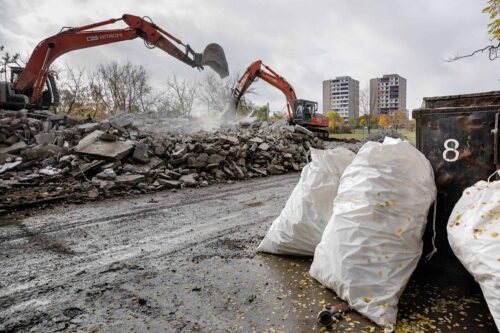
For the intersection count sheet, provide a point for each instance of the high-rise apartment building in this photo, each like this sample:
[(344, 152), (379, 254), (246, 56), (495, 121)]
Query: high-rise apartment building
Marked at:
[(341, 95), (388, 94)]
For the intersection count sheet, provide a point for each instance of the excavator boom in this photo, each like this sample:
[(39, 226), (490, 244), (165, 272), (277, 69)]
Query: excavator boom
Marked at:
[(35, 74), (258, 70), (300, 111)]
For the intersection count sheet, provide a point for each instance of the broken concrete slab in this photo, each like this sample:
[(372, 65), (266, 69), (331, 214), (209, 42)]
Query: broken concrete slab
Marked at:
[(7, 158), (88, 140), (41, 152), (43, 139), (264, 146), (170, 183), (194, 163), (173, 174), (107, 174), (214, 159), (259, 171), (109, 150), (103, 184), (190, 179), (256, 140), (81, 169), (108, 137), (120, 125), (154, 163), (229, 139), (141, 153), (275, 169), (88, 127), (239, 172), (49, 171), (110, 165), (129, 180), (179, 153), (9, 166), (303, 130), (14, 148)]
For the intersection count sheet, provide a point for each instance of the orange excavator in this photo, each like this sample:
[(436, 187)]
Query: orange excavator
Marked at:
[(300, 111), (35, 85)]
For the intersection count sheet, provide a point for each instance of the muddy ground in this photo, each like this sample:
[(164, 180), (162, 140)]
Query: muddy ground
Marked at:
[(184, 262)]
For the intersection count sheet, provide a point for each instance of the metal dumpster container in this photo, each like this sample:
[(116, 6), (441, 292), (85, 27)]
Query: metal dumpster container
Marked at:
[(456, 134)]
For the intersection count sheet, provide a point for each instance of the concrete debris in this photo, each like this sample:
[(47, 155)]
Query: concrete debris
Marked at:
[(189, 180), (88, 140), (49, 171), (303, 130), (41, 152), (127, 180), (107, 174), (9, 165), (380, 135), (110, 150), (44, 139), (141, 153), (44, 155), (170, 183), (13, 148), (264, 146)]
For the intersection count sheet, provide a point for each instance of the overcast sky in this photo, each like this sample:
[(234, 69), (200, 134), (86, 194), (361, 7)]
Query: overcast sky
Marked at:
[(305, 41)]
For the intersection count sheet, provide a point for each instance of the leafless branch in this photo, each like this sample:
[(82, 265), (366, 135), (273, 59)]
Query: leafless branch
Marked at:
[(491, 49)]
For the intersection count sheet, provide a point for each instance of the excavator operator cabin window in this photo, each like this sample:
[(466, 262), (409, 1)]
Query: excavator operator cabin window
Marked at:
[(14, 76)]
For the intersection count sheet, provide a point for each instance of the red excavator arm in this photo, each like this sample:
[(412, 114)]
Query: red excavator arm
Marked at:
[(300, 111), (258, 69), (32, 79)]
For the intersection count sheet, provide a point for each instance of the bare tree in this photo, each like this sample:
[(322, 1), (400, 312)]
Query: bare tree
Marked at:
[(74, 89), (180, 95), (492, 50), (160, 102), (120, 88), (7, 59), (215, 92), (367, 105), (493, 11)]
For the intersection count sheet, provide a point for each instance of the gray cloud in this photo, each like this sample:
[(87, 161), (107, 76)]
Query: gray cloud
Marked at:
[(305, 41)]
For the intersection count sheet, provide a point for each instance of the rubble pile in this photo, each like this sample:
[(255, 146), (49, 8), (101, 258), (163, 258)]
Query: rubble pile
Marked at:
[(381, 135), (45, 157)]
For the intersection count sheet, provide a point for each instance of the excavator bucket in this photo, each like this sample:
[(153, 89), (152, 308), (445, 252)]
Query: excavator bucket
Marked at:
[(214, 57)]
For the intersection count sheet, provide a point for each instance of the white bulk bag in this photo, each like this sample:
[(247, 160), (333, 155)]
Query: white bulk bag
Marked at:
[(300, 225), (474, 236), (373, 241)]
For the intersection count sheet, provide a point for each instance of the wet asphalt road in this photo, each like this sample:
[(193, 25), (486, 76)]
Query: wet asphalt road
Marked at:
[(184, 262)]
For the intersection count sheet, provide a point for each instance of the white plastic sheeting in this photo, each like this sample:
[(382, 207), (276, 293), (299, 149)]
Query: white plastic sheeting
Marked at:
[(300, 225), (474, 236), (373, 241)]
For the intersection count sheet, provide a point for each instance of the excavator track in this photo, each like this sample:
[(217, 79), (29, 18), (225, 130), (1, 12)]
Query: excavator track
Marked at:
[(324, 135)]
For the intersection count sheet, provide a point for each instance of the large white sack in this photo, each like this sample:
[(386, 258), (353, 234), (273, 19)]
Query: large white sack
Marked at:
[(373, 241), (300, 225), (474, 236)]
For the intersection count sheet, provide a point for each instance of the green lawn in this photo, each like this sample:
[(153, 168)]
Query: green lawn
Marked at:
[(359, 134)]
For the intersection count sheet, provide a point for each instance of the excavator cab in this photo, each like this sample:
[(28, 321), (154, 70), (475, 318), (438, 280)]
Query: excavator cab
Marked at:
[(15, 73), (50, 94), (304, 110)]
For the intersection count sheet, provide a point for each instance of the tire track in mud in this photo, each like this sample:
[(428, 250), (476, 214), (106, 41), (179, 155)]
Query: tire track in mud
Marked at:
[(26, 232), (25, 295), (181, 245), (225, 211)]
